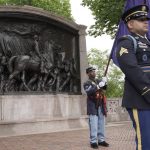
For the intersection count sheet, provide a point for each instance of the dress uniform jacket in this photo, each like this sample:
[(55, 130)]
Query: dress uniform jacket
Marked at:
[(136, 67), (90, 88)]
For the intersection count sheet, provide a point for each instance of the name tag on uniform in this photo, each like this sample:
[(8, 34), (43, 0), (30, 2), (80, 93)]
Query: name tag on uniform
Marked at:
[(142, 45)]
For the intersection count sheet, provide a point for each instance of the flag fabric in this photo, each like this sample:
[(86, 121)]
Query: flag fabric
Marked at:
[(122, 30)]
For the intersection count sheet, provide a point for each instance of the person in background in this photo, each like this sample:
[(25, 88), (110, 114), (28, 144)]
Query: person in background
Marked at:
[(96, 108)]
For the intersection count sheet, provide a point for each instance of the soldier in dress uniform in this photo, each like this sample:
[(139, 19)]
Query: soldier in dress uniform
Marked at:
[(96, 108), (133, 55)]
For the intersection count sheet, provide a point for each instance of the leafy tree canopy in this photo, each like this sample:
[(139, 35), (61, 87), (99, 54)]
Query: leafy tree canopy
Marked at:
[(107, 14), (59, 7)]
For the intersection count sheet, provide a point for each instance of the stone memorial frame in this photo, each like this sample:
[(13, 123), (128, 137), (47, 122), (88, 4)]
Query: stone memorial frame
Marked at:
[(31, 112)]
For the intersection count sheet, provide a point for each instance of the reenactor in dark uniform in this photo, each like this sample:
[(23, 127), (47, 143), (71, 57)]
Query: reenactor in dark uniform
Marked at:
[(133, 55), (96, 108)]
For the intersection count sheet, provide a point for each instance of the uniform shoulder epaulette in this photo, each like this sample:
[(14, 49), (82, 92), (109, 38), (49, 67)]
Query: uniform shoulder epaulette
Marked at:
[(90, 82), (130, 38), (87, 82), (125, 37)]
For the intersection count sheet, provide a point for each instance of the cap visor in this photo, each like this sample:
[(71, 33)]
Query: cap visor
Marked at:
[(143, 18)]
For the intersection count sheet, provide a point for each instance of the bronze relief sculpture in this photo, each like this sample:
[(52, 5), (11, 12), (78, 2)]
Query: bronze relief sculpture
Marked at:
[(37, 56)]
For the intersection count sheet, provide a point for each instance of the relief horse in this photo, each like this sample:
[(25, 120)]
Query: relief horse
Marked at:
[(23, 64)]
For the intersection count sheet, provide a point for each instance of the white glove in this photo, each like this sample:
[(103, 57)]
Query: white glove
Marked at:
[(104, 79), (101, 84)]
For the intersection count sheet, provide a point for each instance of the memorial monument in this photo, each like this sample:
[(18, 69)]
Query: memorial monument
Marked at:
[(42, 66)]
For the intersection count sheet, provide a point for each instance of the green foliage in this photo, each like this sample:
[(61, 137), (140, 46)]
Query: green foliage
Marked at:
[(115, 82), (99, 60), (59, 7), (107, 15)]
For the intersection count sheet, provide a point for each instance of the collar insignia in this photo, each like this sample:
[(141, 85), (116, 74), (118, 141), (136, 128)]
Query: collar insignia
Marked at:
[(143, 8), (137, 37)]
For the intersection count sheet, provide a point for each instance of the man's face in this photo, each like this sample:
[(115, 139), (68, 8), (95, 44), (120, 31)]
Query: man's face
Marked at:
[(92, 74), (138, 26)]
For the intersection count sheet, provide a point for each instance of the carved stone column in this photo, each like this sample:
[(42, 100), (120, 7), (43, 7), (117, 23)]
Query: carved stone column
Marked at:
[(83, 55)]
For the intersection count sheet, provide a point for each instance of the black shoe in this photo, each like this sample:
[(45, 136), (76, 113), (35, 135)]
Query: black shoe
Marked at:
[(105, 144), (94, 145)]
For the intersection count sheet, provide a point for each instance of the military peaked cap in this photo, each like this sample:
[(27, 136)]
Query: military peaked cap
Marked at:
[(90, 69), (136, 13)]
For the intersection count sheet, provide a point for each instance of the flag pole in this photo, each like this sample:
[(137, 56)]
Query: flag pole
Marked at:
[(106, 70)]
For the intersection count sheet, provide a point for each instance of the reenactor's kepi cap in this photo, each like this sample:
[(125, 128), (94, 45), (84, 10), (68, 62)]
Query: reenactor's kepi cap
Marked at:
[(139, 12), (90, 69)]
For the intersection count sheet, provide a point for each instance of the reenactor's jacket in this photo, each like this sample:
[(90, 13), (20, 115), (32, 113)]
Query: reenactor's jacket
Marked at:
[(136, 67), (93, 102)]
